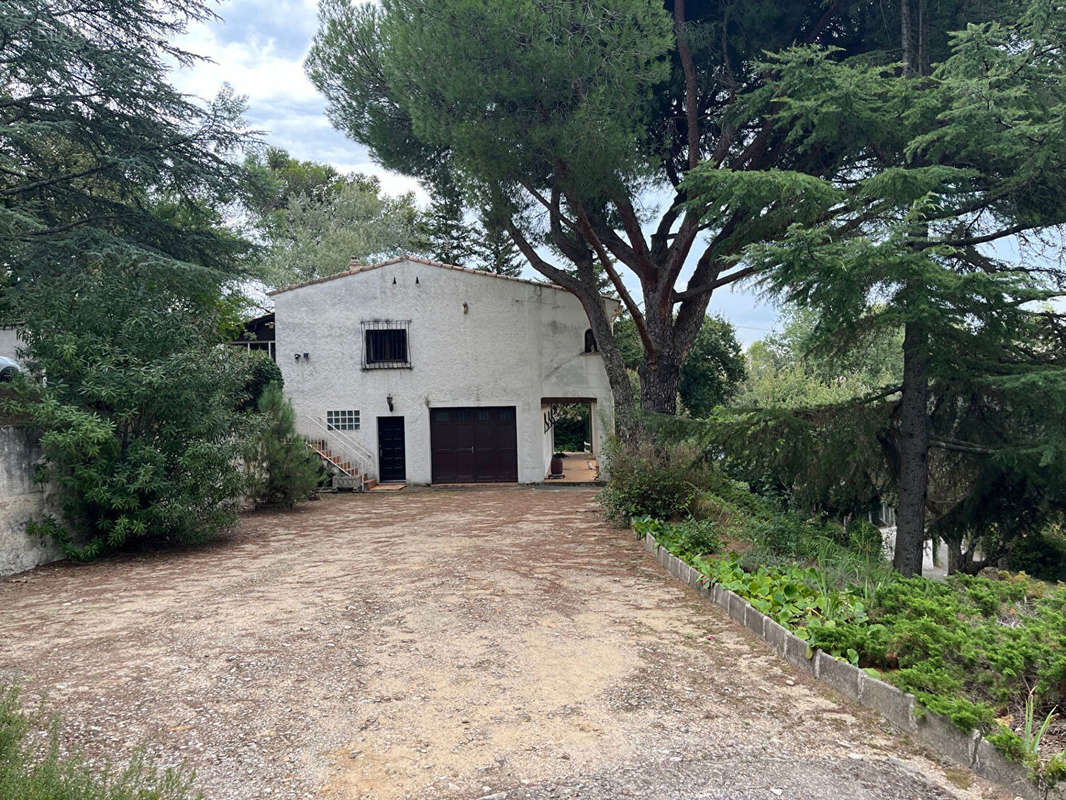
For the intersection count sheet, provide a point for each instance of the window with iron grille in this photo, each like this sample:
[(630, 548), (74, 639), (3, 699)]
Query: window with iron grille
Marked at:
[(385, 344), (345, 420)]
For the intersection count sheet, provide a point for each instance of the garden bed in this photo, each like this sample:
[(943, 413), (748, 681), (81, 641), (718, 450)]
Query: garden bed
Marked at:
[(987, 653)]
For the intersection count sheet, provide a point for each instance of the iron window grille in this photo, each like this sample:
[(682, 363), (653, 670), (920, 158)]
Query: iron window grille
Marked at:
[(344, 420), (386, 345)]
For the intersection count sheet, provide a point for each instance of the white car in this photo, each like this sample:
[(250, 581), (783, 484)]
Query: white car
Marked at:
[(8, 368)]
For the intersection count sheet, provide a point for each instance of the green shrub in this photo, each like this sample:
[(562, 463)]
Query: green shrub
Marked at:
[(692, 536), (1042, 555), (138, 416), (969, 648), (264, 372), (284, 470), (652, 480), (39, 772)]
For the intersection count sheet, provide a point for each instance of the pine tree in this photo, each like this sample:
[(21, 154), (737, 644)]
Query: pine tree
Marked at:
[(494, 250), (445, 234), (938, 166), (285, 469)]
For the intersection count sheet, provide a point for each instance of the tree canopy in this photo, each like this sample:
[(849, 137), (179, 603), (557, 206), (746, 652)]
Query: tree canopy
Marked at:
[(933, 168), (568, 118), (322, 233), (100, 156)]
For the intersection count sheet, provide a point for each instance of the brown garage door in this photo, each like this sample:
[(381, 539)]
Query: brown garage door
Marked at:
[(474, 445)]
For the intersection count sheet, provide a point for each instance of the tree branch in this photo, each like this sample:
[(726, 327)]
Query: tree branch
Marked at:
[(689, 68)]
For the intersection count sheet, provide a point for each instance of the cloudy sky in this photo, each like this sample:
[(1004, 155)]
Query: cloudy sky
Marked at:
[(258, 47)]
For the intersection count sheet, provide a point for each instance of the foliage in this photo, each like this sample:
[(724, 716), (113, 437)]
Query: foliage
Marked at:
[(789, 369), (264, 372), (1033, 733), (494, 250), (443, 230), (323, 232), (647, 479), (698, 537), (275, 178), (565, 118), (29, 771), (713, 368), (972, 648), (933, 173), (99, 155), (1042, 554), (792, 595), (571, 429), (284, 469), (138, 414), (712, 372)]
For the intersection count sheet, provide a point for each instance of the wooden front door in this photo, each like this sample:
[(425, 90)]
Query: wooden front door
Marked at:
[(392, 459)]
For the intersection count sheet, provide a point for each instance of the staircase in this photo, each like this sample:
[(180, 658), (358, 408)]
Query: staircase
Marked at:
[(345, 474), (348, 461)]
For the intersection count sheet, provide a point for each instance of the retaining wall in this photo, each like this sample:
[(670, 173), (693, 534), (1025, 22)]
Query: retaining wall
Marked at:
[(21, 499), (938, 733)]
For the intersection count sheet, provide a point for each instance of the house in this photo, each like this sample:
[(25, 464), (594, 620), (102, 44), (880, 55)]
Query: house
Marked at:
[(258, 335), (419, 372)]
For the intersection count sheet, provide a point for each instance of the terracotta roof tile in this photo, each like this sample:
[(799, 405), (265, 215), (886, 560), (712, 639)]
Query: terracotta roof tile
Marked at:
[(356, 268)]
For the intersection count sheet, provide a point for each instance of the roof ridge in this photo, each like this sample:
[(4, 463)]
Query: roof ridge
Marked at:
[(355, 267)]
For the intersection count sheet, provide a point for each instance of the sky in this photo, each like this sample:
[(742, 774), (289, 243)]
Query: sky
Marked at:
[(258, 48)]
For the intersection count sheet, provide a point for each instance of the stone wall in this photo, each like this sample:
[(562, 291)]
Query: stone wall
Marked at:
[(20, 501)]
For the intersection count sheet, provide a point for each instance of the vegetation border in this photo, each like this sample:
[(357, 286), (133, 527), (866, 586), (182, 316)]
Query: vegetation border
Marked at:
[(936, 732)]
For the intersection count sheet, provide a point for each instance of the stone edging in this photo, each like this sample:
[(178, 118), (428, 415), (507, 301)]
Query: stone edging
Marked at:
[(937, 733)]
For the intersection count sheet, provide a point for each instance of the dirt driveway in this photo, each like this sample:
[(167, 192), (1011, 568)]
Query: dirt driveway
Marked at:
[(501, 643)]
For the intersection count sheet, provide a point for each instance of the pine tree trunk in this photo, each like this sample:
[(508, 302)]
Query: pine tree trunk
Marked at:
[(906, 35), (956, 562), (913, 452), (658, 385), (627, 424)]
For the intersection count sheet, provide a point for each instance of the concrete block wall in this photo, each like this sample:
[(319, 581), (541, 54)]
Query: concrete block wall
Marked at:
[(21, 499), (937, 733)]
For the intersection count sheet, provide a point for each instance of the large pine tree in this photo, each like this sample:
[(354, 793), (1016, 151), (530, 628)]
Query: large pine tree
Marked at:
[(933, 169), (572, 116)]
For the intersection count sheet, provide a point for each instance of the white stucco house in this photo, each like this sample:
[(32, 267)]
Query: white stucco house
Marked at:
[(419, 372)]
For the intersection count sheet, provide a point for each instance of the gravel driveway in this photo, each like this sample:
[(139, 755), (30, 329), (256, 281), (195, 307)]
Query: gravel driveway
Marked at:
[(497, 642)]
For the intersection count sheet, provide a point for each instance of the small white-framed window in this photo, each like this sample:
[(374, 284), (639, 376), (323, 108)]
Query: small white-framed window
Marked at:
[(343, 420)]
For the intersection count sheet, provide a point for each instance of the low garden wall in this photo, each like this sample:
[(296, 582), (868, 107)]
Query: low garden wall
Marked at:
[(21, 499), (937, 733)]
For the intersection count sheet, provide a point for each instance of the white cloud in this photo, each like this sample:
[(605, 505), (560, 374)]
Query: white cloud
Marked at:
[(259, 49)]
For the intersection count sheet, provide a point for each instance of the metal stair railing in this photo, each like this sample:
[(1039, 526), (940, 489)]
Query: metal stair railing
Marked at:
[(338, 442)]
